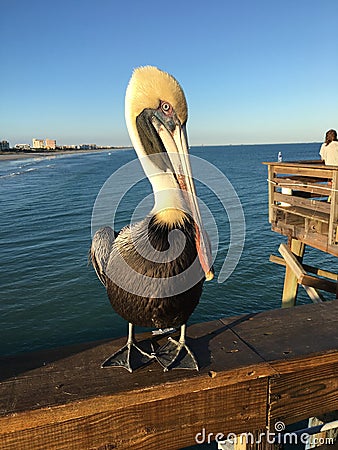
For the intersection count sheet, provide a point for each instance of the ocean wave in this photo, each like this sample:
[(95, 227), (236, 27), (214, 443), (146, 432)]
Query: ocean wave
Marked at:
[(20, 172), (24, 171)]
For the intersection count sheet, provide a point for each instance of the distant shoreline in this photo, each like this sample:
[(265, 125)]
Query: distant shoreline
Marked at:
[(14, 155)]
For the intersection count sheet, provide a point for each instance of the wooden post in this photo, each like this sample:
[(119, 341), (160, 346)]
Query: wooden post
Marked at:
[(333, 238), (299, 272), (291, 281), (271, 191)]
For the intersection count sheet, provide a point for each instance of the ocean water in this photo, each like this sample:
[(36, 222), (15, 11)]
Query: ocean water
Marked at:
[(49, 294)]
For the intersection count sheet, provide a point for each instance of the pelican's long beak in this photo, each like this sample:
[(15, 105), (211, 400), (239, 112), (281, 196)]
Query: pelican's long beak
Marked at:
[(174, 138)]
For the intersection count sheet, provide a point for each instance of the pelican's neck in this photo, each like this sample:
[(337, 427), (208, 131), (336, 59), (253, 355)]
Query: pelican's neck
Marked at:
[(169, 206)]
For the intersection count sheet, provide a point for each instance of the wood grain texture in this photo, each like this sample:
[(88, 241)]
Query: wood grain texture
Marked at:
[(252, 367), (307, 170), (320, 272), (333, 238), (174, 420), (307, 204), (306, 393), (290, 287), (298, 272)]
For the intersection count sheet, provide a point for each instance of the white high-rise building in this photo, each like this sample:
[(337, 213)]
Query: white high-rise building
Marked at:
[(38, 143)]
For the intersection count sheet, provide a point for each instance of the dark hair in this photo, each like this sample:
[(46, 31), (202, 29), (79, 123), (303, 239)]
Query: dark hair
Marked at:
[(330, 136)]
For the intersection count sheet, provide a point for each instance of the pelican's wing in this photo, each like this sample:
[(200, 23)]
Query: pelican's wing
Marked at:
[(100, 250)]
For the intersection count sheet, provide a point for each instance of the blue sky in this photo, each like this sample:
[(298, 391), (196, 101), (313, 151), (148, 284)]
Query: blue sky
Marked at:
[(253, 71)]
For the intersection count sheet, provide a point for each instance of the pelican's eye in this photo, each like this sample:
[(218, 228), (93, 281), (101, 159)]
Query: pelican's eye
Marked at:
[(166, 107)]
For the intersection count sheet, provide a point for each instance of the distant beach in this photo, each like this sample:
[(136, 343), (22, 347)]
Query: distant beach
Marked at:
[(12, 156)]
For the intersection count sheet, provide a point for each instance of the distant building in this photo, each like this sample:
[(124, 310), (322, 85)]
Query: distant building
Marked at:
[(38, 143), (23, 146), (4, 145), (50, 144), (69, 147), (88, 146)]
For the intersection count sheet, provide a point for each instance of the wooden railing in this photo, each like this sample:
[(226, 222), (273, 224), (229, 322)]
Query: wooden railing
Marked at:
[(256, 370), (303, 202)]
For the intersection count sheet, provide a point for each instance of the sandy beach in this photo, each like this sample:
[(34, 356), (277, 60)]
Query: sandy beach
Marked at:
[(12, 156)]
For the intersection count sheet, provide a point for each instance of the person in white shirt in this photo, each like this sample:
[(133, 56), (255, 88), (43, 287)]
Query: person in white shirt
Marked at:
[(329, 150)]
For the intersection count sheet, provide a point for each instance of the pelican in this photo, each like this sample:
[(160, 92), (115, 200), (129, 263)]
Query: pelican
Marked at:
[(154, 270)]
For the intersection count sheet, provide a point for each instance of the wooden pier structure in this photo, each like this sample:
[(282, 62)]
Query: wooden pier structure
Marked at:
[(256, 370), (303, 205)]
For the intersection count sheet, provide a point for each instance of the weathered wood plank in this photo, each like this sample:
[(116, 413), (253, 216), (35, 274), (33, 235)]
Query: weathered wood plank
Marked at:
[(298, 271), (292, 333), (305, 170), (309, 280), (297, 396), (304, 203), (313, 163), (298, 346), (333, 235), (172, 422), (61, 399), (320, 272), (271, 191), (318, 283), (315, 240), (301, 344), (290, 287), (304, 184), (301, 178), (303, 212)]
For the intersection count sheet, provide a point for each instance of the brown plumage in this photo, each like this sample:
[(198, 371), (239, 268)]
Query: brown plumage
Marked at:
[(153, 310)]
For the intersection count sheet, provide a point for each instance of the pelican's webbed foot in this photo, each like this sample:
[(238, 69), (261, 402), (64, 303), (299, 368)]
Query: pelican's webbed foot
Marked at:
[(176, 354), (130, 356)]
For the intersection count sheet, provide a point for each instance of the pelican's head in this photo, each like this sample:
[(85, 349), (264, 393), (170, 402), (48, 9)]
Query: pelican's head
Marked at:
[(156, 115)]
